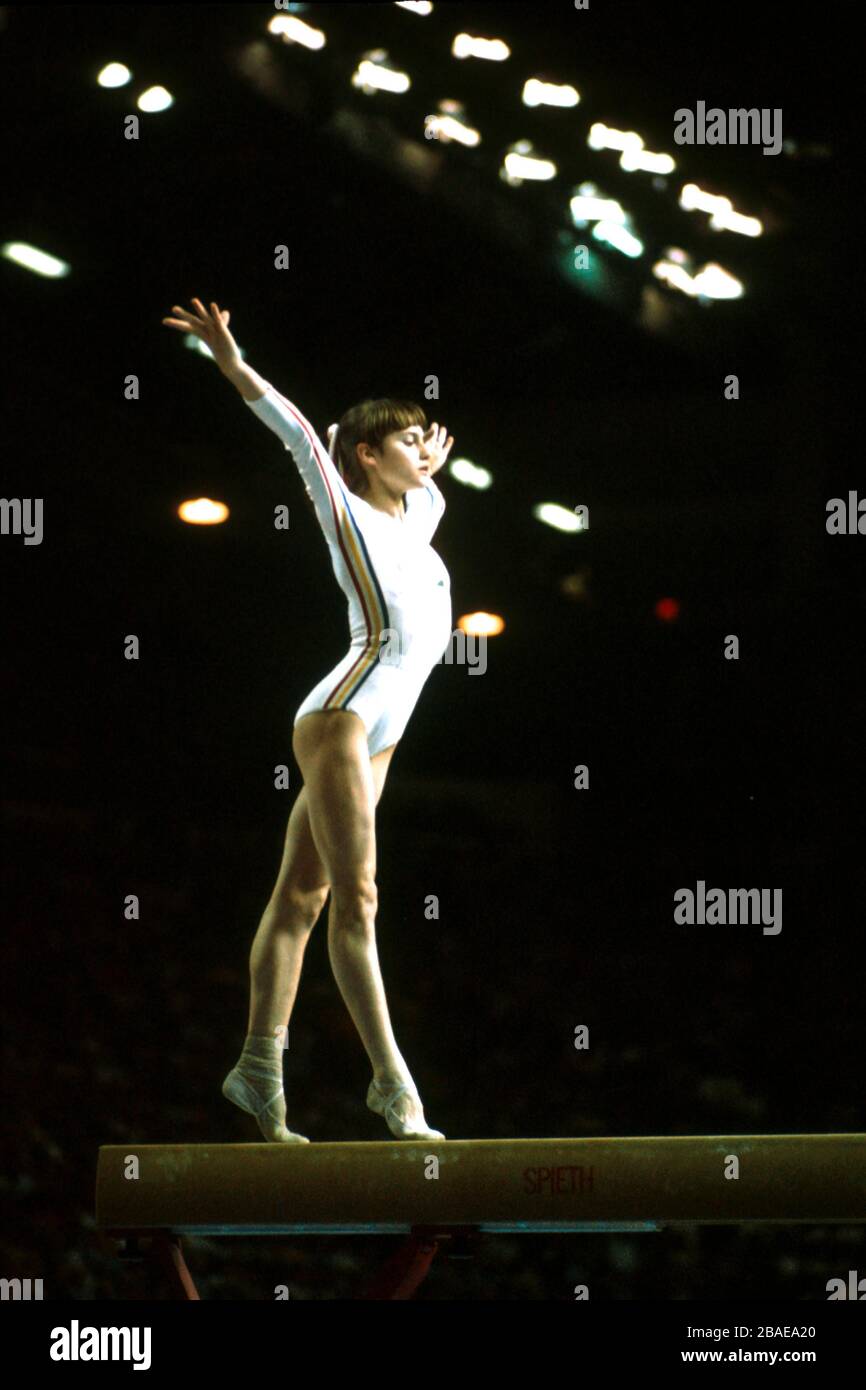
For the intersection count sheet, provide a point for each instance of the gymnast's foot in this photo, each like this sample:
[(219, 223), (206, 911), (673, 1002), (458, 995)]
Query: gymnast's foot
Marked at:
[(401, 1107), (256, 1086)]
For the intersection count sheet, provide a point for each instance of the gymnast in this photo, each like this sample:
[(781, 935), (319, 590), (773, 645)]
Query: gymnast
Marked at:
[(378, 506)]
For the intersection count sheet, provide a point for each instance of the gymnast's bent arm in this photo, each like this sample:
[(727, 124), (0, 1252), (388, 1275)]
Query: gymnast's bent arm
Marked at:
[(424, 508)]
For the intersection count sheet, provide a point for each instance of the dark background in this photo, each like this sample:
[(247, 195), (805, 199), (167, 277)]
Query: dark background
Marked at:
[(155, 777)]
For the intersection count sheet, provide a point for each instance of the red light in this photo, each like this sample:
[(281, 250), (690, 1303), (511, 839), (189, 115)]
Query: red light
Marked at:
[(667, 610)]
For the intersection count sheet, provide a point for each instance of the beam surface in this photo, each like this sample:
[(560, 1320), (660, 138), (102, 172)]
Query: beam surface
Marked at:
[(497, 1185)]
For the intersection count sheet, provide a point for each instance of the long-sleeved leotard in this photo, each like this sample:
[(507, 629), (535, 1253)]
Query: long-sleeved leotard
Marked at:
[(398, 589)]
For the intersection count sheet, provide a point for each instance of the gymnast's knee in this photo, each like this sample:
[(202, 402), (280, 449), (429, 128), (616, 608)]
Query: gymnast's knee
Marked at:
[(355, 899), (298, 909)]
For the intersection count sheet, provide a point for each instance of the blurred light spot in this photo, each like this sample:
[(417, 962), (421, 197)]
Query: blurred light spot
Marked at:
[(481, 624), (203, 512), (114, 75), (667, 610), (23, 254)]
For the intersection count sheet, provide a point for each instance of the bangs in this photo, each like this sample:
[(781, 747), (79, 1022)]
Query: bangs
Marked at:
[(387, 416)]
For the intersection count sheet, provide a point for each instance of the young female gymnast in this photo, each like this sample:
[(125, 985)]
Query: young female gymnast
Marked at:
[(377, 504)]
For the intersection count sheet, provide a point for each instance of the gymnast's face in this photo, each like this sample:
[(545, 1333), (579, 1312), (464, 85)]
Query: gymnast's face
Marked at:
[(403, 461)]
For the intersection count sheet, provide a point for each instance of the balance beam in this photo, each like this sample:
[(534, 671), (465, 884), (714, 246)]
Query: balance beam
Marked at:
[(492, 1185)]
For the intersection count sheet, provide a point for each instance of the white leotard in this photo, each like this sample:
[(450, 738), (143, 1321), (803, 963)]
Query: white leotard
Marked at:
[(398, 589)]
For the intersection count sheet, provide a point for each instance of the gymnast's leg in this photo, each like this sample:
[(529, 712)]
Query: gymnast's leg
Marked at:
[(296, 902), (276, 959), (331, 749)]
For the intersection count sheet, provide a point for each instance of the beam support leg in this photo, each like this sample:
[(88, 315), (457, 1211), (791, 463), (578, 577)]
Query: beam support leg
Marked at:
[(406, 1269)]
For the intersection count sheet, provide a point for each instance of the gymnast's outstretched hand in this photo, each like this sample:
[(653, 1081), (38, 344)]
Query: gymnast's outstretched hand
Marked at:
[(437, 446), (212, 328)]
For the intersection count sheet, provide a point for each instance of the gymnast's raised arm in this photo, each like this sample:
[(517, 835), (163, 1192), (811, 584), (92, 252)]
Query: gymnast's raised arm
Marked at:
[(322, 479)]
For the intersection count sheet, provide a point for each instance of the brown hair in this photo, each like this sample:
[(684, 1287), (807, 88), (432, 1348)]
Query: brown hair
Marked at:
[(369, 423)]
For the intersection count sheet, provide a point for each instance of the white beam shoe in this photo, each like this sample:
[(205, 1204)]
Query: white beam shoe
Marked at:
[(238, 1090), (383, 1103)]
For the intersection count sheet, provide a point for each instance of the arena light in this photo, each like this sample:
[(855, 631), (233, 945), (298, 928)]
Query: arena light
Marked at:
[(692, 197), (521, 163), (724, 218), (538, 93), (293, 30), (374, 73), (667, 610), (715, 283), (730, 221), (481, 624), (633, 154), (711, 282), (644, 161), (114, 75), (605, 137), (203, 512), (619, 237), (588, 205), (31, 258), (575, 585), (560, 518), (155, 99), (447, 128), (418, 7), (467, 46), (470, 474), (675, 276)]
